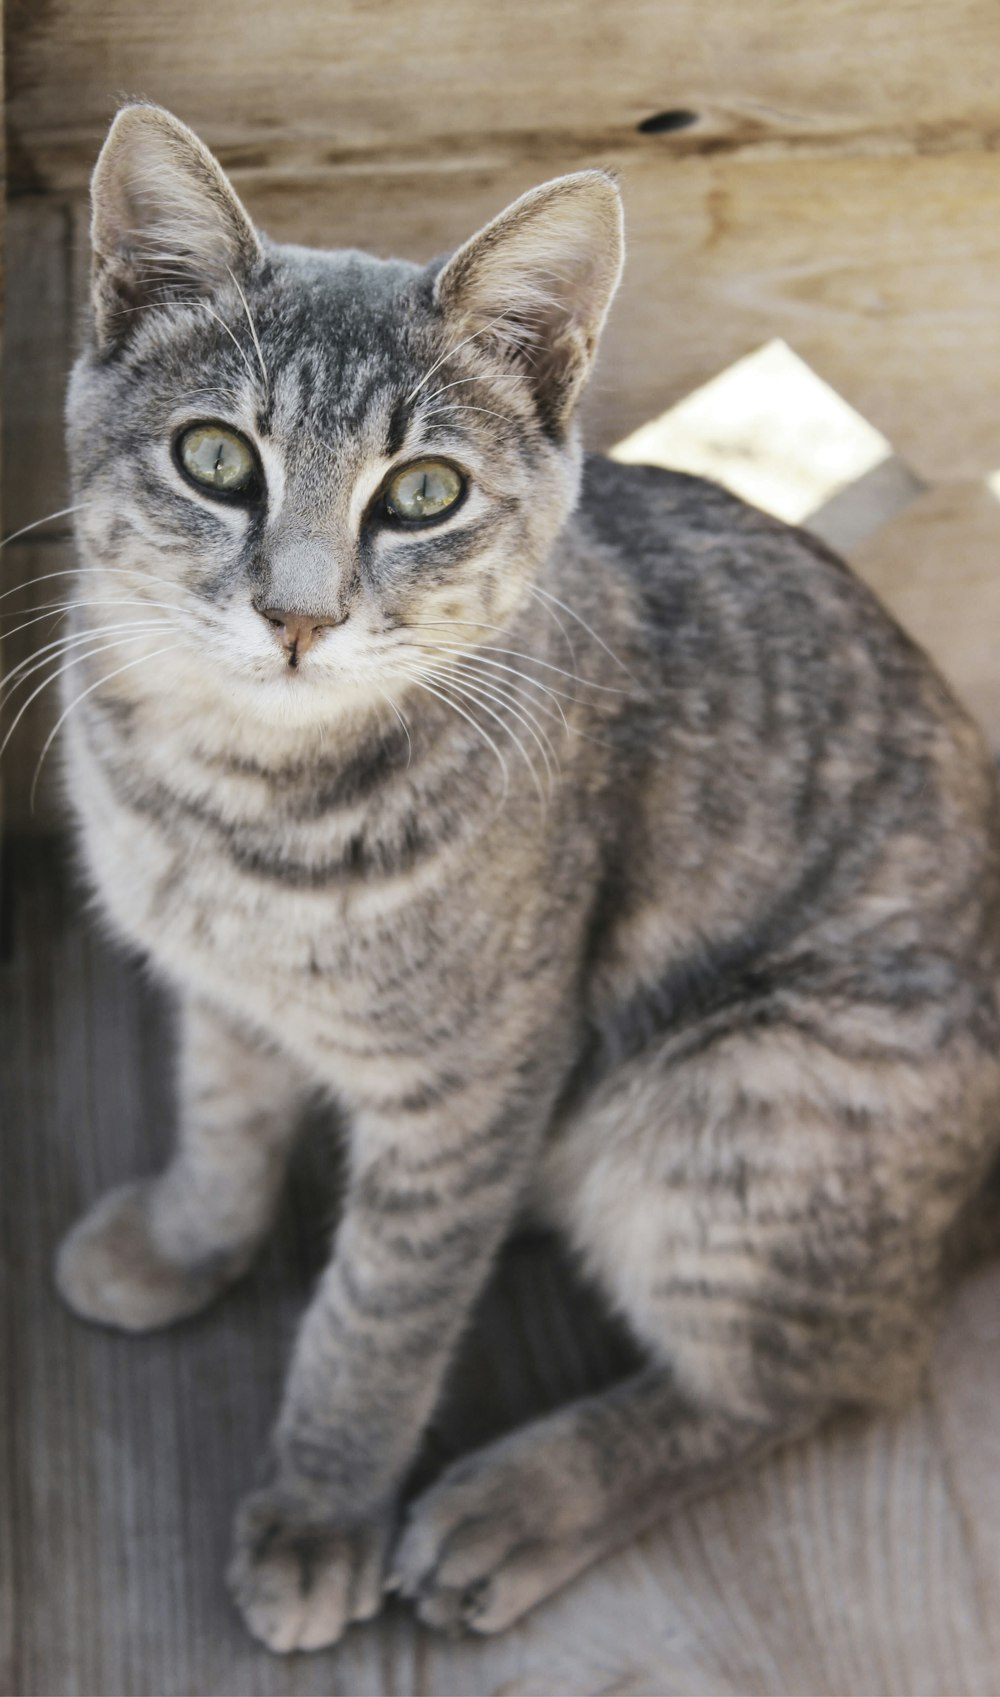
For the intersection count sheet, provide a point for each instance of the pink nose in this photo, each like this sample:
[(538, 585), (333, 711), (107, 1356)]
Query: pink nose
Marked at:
[(297, 632)]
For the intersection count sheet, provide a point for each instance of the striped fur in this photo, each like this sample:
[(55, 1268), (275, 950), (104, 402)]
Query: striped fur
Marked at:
[(611, 855)]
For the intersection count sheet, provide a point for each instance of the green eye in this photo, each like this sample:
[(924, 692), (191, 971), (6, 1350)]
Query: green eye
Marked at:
[(216, 458), (423, 490)]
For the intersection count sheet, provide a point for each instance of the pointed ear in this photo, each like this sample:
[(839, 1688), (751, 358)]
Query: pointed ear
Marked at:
[(537, 282), (166, 223)]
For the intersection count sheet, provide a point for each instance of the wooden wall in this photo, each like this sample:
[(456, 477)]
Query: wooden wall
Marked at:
[(838, 186)]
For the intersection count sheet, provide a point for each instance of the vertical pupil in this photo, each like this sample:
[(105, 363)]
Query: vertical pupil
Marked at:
[(219, 457), (423, 487)]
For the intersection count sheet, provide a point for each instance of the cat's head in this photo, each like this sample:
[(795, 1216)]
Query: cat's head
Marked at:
[(325, 461)]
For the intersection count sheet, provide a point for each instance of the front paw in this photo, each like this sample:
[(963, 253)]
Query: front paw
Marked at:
[(299, 1579), (110, 1269)]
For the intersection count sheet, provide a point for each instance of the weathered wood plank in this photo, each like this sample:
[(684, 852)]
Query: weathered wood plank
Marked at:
[(307, 85), (937, 566), (36, 359)]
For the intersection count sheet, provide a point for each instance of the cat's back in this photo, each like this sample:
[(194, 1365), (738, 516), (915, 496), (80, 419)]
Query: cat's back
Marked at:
[(754, 622), (797, 767)]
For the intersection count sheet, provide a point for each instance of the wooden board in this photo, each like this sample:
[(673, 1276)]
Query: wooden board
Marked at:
[(937, 566), (37, 353), (308, 84), (865, 1560)]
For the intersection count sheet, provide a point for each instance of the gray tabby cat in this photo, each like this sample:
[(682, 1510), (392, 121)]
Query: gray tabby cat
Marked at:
[(593, 838)]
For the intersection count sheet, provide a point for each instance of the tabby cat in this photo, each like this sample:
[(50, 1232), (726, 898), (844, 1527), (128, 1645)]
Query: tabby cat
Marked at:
[(595, 840)]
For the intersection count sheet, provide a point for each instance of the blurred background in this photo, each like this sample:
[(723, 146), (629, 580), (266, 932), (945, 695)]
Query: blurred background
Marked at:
[(810, 312)]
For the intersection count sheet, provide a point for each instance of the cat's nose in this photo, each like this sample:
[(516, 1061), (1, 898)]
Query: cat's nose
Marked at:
[(297, 632)]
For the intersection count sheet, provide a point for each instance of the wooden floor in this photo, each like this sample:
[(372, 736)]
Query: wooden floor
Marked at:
[(865, 1561)]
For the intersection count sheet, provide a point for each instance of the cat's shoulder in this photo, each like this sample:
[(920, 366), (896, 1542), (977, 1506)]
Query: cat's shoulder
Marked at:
[(647, 510)]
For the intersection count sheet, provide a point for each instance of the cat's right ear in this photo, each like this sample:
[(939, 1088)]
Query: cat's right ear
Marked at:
[(166, 223)]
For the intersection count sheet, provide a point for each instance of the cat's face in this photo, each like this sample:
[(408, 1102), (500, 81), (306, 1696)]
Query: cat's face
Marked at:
[(329, 465)]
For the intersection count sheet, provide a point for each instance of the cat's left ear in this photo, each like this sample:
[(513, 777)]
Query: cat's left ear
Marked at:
[(537, 282), (166, 222)]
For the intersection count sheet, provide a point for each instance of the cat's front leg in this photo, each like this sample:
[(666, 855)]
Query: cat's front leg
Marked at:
[(424, 1216), (154, 1250)]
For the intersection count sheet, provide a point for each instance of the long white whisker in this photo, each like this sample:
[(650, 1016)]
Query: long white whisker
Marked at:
[(77, 660), (199, 302), (515, 653), (513, 692), (61, 514), (66, 607), (463, 406), (169, 649), (117, 571), (493, 377), (590, 632), (406, 729), (478, 659), (483, 693), (62, 645), (469, 694), (253, 327), (451, 352), (558, 621), (415, 678)]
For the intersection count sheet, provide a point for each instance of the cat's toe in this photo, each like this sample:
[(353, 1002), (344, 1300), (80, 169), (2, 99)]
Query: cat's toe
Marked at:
[(109, 1270), (458, 1538), (299, 1581)]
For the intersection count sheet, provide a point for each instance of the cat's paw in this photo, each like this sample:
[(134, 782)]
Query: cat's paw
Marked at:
[(485, 1544), (299, 1580), (109, 1268)]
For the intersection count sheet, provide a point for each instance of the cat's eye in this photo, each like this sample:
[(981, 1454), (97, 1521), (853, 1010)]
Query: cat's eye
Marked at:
[(217, 459), (423, 491)]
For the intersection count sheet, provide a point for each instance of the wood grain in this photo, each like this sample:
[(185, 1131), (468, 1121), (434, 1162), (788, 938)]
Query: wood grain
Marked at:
[(309, 84), (864, 1560), (937, 566)]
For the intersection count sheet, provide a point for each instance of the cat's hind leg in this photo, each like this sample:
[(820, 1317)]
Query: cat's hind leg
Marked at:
[(771, 1227), (505, 1528), (155, 1250)]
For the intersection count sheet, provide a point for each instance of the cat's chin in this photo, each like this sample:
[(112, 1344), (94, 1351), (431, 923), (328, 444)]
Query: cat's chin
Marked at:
[(294, 700)]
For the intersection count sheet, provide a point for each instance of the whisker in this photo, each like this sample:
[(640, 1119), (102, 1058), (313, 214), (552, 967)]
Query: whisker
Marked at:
[(558, 621), (515, 653), (253, 327), (117, 571), (406, 729), (463, 406), (199, 302), (415, 678), (473, 655), (492, 377), (66, 607), (77, 660), (590, 632), (484, 693), (61, 514), (143, 658), (464, 692), (44, 656), (450, 354)]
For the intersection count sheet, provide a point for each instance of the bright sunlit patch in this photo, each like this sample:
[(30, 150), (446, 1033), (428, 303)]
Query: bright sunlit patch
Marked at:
[(768, 429)]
